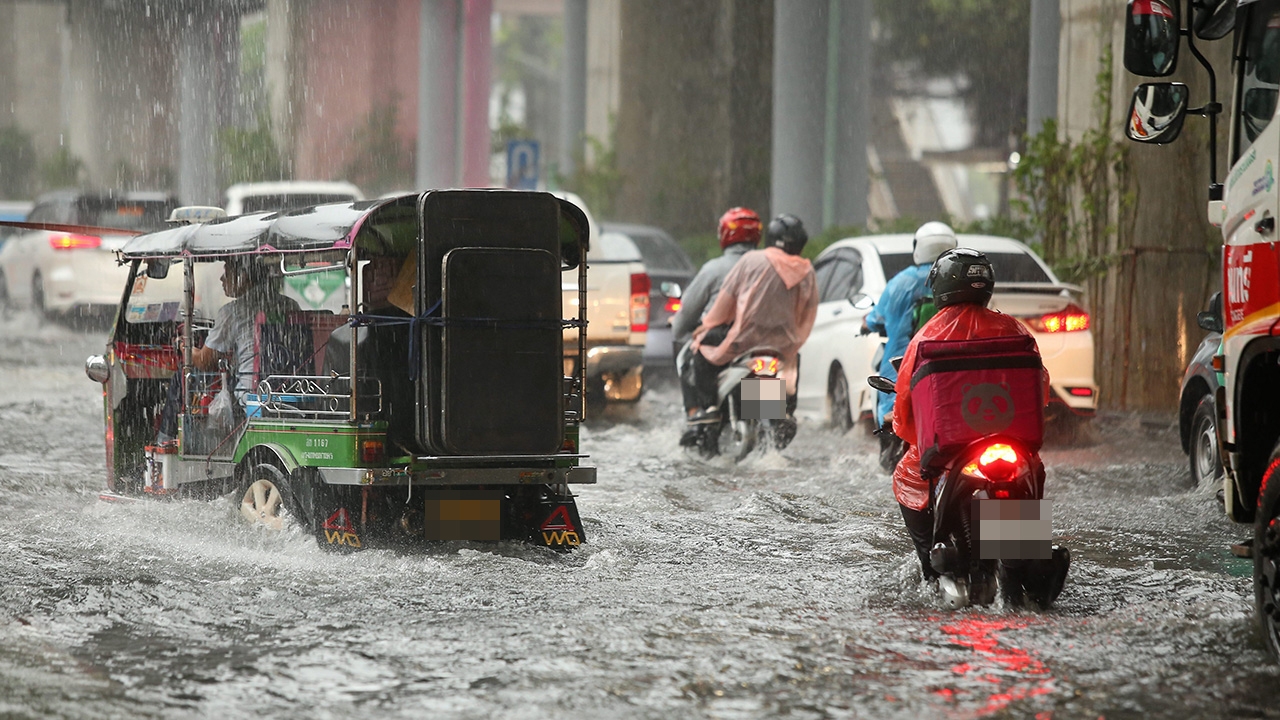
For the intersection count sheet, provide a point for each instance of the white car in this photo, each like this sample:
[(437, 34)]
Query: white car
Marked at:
[(835, 361), (245, 198), (64, 272)]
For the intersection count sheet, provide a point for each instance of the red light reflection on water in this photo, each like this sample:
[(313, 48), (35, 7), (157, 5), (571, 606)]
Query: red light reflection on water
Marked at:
[(1017, 674)]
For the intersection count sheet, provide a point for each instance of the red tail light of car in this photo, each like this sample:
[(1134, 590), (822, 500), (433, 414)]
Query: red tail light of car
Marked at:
[(640, 287), (1072, 318), (72, 241), (673, 305)]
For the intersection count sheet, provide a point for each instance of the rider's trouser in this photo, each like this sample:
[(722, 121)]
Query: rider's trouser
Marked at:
[(699, 382), (920, 526)]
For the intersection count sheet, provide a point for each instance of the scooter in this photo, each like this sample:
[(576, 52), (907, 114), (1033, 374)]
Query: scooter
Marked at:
[(992, 528), (891, 446), (745, 425)]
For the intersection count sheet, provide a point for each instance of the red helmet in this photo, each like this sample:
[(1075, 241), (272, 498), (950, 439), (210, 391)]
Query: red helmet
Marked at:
[(739, 225)]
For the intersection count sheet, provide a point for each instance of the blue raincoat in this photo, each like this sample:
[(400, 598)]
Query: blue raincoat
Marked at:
[(893, 315)]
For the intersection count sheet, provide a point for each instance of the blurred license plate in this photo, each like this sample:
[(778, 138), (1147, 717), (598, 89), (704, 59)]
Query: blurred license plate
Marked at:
[(763, 399), (1013, 529)]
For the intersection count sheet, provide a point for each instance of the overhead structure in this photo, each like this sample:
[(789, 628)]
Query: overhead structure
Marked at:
[(454, 76), (820, 110)]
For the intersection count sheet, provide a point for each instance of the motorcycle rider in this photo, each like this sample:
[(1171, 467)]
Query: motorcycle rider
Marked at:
[(962, 282), (769, 299), (739, 231), (893, 315)]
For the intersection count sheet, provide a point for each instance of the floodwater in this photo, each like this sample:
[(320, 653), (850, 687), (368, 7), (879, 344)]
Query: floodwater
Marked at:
[(783, 587)]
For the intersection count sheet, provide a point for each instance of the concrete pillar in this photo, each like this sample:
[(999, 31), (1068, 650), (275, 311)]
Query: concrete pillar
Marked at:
[(477, 80), (573, 107), (604, 36), (799, 102), (437, 96), (1042, 72), (197, 97), (853, 122)]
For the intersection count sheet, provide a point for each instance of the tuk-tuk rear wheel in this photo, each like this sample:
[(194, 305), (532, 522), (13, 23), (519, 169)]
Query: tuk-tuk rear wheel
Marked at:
[(262, 500)]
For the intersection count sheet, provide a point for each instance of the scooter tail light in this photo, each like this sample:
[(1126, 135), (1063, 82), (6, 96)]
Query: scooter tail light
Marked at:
[(998, 462), (673, 305), (768, 366)]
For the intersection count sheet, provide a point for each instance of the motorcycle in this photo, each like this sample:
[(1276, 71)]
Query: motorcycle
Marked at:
[(744, 426), (992, 529), (892, 448)]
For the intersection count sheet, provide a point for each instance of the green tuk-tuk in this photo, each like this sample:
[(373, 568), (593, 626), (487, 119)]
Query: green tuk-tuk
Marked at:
[(432, 405)]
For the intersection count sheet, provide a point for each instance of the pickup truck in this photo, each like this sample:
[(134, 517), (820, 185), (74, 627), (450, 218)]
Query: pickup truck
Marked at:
[(617, 318)]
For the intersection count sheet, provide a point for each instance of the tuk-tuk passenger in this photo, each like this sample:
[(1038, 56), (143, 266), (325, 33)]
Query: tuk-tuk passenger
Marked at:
[(252, 290)]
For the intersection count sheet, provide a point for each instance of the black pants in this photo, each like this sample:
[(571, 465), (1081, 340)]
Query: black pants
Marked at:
[(699, 381), (920, 526)]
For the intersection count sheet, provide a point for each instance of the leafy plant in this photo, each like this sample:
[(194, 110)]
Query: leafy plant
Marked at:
[(1076, 193), (62, 169), (598, 180), (381, 162), (17, 162), (250, 155)]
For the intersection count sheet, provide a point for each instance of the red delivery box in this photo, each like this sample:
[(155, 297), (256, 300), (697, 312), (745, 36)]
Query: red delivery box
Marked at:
[(964, 390)]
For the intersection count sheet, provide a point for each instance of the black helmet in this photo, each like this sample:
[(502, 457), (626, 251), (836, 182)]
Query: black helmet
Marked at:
[(787, 232), (962, 275)]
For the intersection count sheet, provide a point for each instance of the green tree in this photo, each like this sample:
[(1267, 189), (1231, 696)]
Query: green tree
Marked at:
[(17, 162), (250, 155), (983, 44), (62, 169), (381, 161)]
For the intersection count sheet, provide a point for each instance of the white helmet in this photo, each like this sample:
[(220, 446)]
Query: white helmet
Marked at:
[(931, 240)]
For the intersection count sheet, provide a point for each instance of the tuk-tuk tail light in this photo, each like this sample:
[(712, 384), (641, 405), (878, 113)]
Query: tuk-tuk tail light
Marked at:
[(372, 451)]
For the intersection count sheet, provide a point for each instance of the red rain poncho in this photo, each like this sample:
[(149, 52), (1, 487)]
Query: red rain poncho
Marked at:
[(771, 298), (955, 322)]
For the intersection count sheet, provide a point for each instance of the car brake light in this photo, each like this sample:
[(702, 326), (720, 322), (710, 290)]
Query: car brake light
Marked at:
[(372, 451), (640, 286), (673, 305), (71, 241), (767, 366), (1080, 391), (1072, 318)]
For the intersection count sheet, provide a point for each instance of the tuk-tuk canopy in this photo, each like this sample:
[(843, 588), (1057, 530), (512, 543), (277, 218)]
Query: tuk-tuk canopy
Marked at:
[(335, 226), (322, 227)]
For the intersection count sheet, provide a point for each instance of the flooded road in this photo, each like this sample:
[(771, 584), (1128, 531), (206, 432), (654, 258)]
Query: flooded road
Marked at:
[(783, 587)]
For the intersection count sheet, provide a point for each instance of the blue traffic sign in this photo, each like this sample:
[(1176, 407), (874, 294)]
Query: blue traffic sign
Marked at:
[(522, 164)]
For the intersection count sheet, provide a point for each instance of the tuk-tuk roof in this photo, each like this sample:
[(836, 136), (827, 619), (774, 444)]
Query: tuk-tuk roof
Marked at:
[(322, 227), (333, 226)]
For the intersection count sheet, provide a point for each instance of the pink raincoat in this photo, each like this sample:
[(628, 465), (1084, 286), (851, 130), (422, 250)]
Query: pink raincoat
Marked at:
[(954, 322), (771, 298)]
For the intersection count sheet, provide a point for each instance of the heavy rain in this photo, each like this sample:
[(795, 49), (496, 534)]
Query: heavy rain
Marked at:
[(781, 584)]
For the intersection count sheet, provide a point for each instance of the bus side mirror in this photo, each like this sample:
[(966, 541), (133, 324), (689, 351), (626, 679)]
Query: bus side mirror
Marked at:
[(1211, 319), (1152, 30), (1156, 112)]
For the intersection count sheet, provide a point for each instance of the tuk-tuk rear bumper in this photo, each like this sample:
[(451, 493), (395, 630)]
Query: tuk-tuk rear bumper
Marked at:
[(459, 476)]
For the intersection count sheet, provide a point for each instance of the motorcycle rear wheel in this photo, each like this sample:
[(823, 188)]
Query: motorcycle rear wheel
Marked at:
[(737, 436)]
